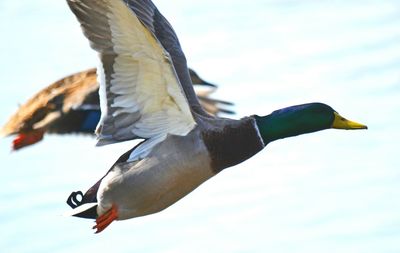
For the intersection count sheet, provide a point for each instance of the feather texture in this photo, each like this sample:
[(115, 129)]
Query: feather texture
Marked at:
[(138, 83)]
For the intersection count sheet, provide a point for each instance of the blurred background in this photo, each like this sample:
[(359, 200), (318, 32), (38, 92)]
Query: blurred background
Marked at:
[(332, 191)]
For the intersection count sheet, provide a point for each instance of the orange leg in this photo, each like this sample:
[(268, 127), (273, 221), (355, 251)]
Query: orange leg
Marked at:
[(104, 220)]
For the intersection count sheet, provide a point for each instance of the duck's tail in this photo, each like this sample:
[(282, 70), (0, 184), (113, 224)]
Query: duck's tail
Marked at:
[(89, 210), (81, 208)]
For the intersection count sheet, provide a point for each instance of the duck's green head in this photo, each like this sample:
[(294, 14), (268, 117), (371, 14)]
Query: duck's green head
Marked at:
[(301, 119)]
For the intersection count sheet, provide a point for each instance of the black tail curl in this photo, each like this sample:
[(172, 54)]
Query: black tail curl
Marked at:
[(73, 200)]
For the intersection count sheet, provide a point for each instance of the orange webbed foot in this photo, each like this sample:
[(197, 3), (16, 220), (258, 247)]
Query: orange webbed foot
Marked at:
[(27, 138), (104, 220)]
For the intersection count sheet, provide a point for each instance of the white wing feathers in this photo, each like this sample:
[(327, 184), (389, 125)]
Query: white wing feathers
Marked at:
[(140, 93)]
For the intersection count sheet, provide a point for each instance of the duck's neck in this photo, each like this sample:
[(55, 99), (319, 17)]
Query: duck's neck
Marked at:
[(288, 122)]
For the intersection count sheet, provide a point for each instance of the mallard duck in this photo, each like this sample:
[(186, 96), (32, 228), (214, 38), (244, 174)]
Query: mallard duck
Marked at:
[(71, 105), (146, 93)]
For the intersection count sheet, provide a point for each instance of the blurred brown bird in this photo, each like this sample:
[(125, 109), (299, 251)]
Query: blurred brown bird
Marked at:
[(71, 105)]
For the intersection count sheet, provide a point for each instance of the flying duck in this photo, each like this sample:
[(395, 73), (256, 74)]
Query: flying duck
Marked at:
[(71, 105), (146, 93)]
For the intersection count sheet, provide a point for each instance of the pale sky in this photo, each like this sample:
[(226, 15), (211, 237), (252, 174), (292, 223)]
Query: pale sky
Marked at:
[(332, 191)]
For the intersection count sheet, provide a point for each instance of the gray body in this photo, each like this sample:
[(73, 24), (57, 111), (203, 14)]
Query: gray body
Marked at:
[(175, 167), (157, 181)]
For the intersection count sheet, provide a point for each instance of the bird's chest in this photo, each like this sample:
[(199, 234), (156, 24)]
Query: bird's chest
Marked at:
[(232, 143)]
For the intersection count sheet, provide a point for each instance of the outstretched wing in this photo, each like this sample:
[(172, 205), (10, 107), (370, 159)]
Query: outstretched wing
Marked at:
[(149, 15), (140, 93)]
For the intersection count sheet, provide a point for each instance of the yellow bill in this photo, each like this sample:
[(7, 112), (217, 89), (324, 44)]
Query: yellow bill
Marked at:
[(342, 123)]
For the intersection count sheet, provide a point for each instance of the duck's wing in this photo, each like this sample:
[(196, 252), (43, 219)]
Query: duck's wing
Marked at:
[(78, 109), (149, 15), (140, 88)]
